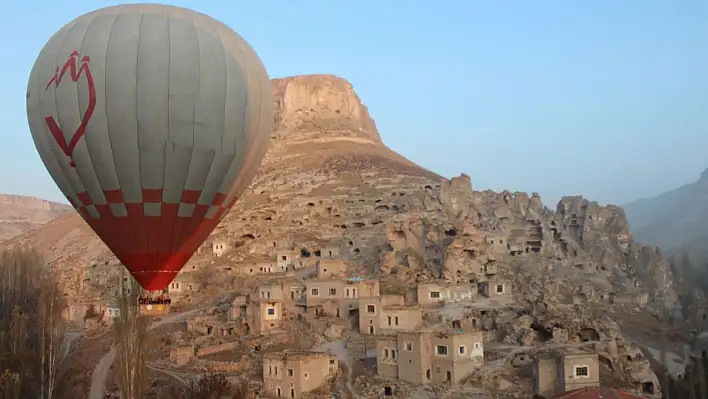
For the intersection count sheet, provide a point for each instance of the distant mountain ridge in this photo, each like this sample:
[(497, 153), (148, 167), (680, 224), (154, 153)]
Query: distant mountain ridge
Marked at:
[(675, 221), (20, 214)]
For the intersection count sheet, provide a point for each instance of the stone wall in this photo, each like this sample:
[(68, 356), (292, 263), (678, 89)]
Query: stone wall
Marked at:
[(226, 367), (208, 350)]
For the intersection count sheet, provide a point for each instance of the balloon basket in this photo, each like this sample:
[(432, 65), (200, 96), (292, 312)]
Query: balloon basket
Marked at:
[(154, 309)]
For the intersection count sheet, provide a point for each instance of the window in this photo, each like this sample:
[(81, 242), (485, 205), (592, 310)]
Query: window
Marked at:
[(393, 353), (500, 288), (315, 292), (582, 371), (268, 294), (441, 350), (370, 309), (462, 350), (347, 292), (276, 372), (396, 320), (290, 372), (333, 291), (476, 345), (270, 370), (354, 292), (389, 320), (271, 311), (385, 353), (435, 294), (307, 376), (408, 346)]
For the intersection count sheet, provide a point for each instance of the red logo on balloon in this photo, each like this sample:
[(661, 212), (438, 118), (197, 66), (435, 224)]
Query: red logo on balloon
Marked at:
[(74, 73)]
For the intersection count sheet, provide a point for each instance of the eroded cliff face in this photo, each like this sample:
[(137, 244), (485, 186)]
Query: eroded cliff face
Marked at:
[(320, 106)]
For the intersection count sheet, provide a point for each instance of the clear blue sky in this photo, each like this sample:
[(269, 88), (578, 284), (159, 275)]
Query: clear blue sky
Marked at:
[(603, 98)]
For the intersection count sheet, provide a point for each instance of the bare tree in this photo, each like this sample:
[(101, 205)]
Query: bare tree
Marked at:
[(32, 326), (131, 334), (211, 386)]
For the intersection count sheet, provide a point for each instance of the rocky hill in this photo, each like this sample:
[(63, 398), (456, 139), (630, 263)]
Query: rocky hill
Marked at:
[(19, 214), (329, 188), (675, 221), (329, 181)]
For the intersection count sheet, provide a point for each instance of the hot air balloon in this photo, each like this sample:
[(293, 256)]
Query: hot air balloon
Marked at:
[(152, 120)]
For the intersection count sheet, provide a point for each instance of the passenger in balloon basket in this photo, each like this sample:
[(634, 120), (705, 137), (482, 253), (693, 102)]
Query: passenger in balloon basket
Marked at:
[(155, 299)]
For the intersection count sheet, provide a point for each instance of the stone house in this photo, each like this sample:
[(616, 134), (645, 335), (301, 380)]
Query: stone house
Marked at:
[(425, 356), (181, 285), (292, 374), (495, 287), (567, 372), (338, 297), (219, 247), (329, 268), (287, 259), (264, 309), (497, 242), (237, 311), (386, 314), (264, 316), (258, 266), (287, 290), (430, 294), (329, 252)]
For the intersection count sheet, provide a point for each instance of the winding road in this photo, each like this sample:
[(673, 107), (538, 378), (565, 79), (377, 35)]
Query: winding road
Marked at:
[(100, 372)]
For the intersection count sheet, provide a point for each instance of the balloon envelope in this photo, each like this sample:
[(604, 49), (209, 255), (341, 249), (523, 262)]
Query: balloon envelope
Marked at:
[(152, 120)]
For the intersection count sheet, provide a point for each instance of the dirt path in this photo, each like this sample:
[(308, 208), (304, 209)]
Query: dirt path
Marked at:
[(100, 372), (339, 349)]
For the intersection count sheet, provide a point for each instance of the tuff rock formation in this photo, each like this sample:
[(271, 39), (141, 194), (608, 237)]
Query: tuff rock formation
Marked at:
[(330, 189)]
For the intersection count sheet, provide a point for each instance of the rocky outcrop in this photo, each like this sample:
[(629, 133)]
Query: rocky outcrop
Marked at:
[(320, 106)]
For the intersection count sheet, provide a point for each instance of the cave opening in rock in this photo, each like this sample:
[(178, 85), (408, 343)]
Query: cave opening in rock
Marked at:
[(318, 253), (310, 204), (451, 232), (381, 208), (428, 187), (358, 224), (356, 250), (304, 253), (543, 333), (588, 334), (395, 208), (471, 253)]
